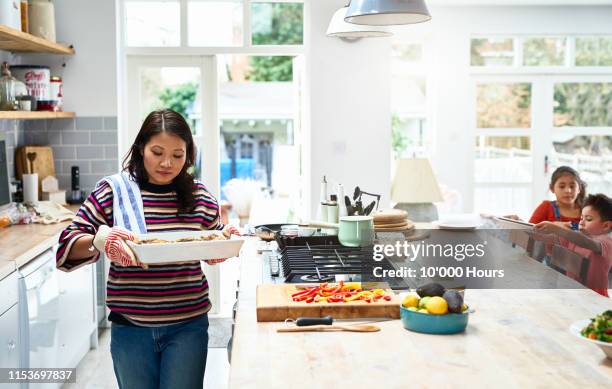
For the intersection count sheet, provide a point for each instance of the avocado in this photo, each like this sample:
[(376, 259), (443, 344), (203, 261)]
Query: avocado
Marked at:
[(454, 300), (431, 289)]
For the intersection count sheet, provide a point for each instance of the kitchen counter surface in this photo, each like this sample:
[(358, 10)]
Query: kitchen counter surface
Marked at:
[(518, 337), (6, 268), (19, 244)]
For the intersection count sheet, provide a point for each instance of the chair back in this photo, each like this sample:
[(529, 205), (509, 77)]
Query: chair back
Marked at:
[(519, 237), (568, 261)]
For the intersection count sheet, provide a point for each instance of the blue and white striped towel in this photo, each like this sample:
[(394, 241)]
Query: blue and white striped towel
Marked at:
[(127, 203)]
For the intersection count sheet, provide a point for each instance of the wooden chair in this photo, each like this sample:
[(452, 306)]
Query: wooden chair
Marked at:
[(568, 261), (520, 238)]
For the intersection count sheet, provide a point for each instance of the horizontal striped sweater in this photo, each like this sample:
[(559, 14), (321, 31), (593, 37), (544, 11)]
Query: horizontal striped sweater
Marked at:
[(165, 293)]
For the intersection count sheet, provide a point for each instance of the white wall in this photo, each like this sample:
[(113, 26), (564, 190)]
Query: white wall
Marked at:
[(349, 104), (89, 78), (448, 36)]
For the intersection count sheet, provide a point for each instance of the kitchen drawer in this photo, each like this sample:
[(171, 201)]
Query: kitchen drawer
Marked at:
[(9, 337), (8, 291)]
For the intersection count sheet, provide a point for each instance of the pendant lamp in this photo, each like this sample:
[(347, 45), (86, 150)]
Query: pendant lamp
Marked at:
[(341, 29), (387, 12)]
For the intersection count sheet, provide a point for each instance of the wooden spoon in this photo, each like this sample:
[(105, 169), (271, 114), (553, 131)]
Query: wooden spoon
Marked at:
[(335, 327), (31, 158)]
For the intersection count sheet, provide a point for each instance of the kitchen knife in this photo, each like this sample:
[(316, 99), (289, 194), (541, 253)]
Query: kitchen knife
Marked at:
[(313, 321)]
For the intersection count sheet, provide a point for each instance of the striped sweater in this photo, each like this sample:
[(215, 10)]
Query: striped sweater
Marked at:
[(165, 293)]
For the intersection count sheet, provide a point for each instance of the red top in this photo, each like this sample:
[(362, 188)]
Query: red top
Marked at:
[(546, 212)]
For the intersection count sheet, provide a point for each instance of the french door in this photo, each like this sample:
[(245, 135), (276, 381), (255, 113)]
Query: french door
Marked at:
[(527, 125)]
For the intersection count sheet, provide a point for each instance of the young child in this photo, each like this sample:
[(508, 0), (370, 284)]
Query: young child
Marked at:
[(570, 192), (593, 241)]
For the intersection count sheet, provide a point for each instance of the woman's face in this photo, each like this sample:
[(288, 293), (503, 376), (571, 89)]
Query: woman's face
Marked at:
[(164, 157), (566, 189)]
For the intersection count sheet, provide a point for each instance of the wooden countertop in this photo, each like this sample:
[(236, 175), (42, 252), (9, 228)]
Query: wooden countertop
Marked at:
[(518, 337), (19, 244)]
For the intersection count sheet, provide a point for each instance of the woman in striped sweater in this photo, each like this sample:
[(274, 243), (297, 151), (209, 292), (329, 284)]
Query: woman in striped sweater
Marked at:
[(159, 331)]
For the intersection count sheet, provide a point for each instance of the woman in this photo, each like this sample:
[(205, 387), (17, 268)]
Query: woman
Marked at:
[(158, 312)]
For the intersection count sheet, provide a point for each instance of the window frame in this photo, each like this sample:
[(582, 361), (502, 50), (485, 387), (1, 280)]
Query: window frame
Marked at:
[(184, 49)]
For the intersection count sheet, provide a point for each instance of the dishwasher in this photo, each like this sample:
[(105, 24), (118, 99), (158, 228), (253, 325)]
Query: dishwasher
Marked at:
[(39, 315)]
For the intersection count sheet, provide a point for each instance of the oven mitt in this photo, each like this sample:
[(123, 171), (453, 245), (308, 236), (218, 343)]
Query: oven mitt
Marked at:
[(111, 241)]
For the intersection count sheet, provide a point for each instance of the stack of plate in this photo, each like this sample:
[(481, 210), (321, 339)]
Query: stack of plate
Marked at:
[(392, 220)]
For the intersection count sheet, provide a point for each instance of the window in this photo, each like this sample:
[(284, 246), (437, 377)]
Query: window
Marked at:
[(215, 23), (409, 133), (544, 51), (492, 51), (541, 51), (591, 155), (152, 23), (583, 104), (594, 51), (277, 23), (503, 105)]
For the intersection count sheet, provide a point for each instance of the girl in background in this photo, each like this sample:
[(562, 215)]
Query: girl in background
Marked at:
[(570, 192)]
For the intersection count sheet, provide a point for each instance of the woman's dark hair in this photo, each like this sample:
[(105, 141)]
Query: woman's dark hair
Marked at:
[(602, 204), (165, 120), (566, 170)]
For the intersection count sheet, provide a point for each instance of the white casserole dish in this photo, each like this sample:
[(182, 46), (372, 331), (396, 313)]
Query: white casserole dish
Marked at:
[(184, 251)]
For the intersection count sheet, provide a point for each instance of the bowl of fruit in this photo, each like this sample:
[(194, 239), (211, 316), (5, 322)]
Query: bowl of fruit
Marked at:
[(597, 331), (434, 310)]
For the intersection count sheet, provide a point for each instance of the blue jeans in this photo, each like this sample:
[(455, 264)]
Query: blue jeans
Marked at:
[(172, 356)]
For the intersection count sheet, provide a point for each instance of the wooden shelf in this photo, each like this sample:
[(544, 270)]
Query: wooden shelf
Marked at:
[(34, 115), (17, 41)]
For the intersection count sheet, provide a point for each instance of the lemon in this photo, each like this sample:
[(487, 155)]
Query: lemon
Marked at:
[(410, 301), (423, 301), (437, 306), (423, 311), (464, 308)]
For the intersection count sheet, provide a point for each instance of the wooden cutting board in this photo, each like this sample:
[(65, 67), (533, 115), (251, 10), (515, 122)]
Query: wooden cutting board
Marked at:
[(274, 303), (385, 216), (43, 164)]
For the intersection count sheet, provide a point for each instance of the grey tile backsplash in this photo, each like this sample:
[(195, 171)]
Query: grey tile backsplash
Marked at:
[(87, 142)]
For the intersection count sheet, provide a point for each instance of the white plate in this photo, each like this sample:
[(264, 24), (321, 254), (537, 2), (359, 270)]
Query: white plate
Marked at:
[(185, 251), (456, 225), (578, 326)]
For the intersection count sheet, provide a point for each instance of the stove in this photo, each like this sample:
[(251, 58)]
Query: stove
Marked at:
[(302, 264)]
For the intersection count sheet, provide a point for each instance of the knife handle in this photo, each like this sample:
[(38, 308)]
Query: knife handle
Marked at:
[(313, 321)]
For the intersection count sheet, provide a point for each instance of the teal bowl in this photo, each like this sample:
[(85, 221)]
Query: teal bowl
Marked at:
[(451, 323)]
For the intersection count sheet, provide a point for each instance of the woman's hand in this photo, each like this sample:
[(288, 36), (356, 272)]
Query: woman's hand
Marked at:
[(229, 230), (111, 241)]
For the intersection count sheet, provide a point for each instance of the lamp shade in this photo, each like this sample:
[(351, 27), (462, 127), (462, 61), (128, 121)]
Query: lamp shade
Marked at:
[(339, 28), (387, 12), (415, 182)]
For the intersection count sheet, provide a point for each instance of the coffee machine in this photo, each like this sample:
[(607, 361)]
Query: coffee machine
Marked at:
[(75, 196)]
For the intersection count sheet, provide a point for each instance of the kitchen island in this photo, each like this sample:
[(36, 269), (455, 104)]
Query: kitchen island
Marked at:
[(516, 338)]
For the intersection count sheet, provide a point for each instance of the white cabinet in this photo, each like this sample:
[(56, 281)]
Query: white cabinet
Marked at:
[(76, 314), (9, 338), (57, 314), (9, 322)]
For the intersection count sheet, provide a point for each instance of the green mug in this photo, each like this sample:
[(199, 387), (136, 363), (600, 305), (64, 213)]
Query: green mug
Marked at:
[(356, 231)]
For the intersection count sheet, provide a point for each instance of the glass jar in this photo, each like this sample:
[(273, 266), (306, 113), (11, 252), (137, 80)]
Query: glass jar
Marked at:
[(7, 89)]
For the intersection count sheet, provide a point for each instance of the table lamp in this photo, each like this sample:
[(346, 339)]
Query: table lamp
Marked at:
[(415, 189)]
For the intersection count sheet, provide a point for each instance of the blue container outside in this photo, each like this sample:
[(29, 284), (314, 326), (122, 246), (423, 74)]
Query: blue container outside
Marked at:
[(451, 323)]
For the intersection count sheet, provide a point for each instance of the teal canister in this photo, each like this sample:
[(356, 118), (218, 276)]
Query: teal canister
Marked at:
[(356, 231)]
